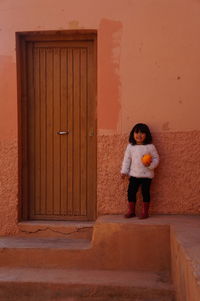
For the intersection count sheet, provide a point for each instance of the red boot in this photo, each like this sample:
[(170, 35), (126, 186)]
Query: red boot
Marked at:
[(145, 210), (131, 210)]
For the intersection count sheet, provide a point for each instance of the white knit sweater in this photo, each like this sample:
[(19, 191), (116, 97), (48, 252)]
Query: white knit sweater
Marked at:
[(132, 164)]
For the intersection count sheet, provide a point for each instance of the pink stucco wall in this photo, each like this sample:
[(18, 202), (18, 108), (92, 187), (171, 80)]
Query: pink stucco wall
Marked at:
[(148, 58), (176, 186)]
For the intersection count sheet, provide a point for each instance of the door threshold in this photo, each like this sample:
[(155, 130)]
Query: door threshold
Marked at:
[(69, 229)]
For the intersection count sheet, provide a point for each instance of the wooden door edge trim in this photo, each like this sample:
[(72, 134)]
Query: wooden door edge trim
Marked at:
[(56, 35), (19, 122), (21, 38), (20, 45)]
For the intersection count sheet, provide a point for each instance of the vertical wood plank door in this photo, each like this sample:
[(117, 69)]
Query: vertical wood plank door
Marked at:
[(59, 157)]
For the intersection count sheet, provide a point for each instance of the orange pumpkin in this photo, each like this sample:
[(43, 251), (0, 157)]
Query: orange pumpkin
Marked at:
[(146, 159)]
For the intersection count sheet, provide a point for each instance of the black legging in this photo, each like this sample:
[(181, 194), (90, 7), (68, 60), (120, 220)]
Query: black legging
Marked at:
[(134, 184)]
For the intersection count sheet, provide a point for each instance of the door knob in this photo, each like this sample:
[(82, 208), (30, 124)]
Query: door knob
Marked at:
[(63, 133)]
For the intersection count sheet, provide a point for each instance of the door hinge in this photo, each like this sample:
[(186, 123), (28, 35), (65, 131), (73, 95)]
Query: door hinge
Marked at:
[(91, 132)]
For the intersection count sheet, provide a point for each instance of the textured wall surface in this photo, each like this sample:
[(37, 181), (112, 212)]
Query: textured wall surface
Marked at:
[(8, 187), (176, 186)]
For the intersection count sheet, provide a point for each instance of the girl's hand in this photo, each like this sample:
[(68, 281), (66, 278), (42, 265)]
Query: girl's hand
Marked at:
[(146, 160), (147, 163), (123, 175)]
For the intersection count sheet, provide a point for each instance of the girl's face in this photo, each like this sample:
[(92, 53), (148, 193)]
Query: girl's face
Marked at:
[(139, 137)]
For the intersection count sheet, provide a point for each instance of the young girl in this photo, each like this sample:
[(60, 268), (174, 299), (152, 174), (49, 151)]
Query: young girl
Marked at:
[(140, 171)]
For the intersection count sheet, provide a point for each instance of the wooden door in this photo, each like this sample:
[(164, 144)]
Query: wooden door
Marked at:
[(59, 129)]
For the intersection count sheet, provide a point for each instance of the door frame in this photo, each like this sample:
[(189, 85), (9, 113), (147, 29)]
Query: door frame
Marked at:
[(21, 39)]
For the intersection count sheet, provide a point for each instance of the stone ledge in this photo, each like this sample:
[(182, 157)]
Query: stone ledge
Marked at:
[(158, 244), (185, 258), (68, 229), (184, 249), (46, 284)]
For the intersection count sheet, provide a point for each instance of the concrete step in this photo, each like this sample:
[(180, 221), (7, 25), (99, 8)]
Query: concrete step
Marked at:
[(67, 229), (117, 244), (44, 252), (36, 284)]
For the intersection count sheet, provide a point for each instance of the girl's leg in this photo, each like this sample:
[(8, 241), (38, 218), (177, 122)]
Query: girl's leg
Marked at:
[(146, 183), (132, 191), (145, 187)]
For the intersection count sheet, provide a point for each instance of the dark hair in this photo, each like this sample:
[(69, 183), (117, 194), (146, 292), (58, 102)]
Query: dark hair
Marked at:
[(143, 128)]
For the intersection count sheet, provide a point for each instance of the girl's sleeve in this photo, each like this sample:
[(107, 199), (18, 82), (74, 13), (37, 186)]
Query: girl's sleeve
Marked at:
[(155, 158), (126, 163)]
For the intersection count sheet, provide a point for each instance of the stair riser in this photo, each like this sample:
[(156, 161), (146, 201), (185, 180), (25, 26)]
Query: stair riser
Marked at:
[(46, 258), (74, 292), (65, 258)]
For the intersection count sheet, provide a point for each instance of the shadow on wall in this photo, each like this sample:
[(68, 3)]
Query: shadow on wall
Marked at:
[(8, 101), (109, 37)]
